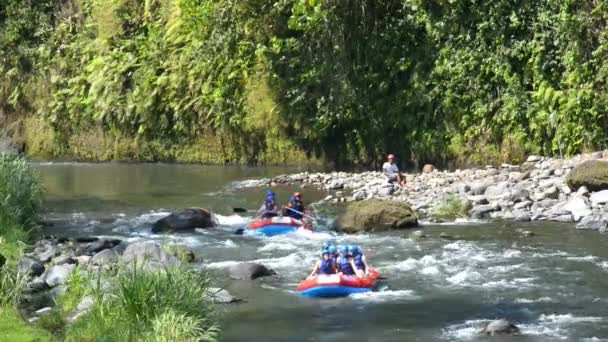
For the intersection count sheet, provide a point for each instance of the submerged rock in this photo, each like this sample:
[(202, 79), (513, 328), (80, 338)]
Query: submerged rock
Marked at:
[(221, 296), (593, 174), (376, 215), (185, 220), (500, 327), (249, 271)]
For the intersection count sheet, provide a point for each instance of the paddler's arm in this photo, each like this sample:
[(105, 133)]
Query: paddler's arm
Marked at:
[(364, 259), (315, 269)]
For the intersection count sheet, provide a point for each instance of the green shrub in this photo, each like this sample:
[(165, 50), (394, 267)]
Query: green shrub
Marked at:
[(20, 192), (12, 284), (182, 253), (135, 302), (171, 326), (14, 329), (452, 208)]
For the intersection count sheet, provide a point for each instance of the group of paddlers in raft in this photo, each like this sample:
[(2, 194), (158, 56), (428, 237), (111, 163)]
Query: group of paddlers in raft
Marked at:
[(343, 260)]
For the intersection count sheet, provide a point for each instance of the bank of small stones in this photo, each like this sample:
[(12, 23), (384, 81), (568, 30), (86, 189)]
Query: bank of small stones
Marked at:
[(51, 261), (534, 191)]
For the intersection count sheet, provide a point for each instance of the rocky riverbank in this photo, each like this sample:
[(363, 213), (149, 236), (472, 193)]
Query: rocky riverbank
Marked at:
[(563, 190), (51, 262)]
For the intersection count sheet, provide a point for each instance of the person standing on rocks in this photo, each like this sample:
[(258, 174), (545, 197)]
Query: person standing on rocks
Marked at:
[(391, 171)]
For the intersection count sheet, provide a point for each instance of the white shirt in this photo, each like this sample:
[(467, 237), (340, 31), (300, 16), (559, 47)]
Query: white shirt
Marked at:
[(390, 169)]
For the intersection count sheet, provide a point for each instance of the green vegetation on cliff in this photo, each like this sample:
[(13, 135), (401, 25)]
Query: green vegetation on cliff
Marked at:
[(289, 80)]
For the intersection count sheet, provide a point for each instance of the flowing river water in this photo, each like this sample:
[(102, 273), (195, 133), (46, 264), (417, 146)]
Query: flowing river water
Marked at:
[(554, 284)]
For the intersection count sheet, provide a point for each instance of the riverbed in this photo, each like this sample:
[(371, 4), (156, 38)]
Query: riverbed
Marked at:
[(439, 288)]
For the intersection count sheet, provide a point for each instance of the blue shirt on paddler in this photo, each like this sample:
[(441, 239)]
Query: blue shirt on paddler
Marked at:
[(345, 266), (297, 206)]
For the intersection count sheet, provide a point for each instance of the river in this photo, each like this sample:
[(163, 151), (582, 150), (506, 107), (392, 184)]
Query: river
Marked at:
[(553, 284)]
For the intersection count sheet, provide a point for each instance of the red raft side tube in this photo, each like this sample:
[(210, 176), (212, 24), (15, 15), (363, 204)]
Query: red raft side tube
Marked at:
[(337, 285)]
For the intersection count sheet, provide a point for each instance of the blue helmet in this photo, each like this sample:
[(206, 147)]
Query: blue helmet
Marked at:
[(326, 244), (356, 250), (270, 193), (343, 249), (325, 252), (331, 249)]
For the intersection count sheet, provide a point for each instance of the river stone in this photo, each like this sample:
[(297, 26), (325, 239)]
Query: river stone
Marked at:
[(97, 246), (30, 266), (105, 257), (478, 200), (49, 253), (428, 168), (578, 207), (521, 216), (59, 274), (359, 195), (592, 174), (533, 159), (500, 327), (481, 211), (221, 296), (600, 197), (479, 188), (81, 309), (148, 254), (249, 271), (376, 215), (336, 184), (593, 222), (185, 220), (63, 259), (523, 204), (498, 190)]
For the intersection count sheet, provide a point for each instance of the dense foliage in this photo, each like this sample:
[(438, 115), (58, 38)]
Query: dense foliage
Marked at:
[(432, 80)]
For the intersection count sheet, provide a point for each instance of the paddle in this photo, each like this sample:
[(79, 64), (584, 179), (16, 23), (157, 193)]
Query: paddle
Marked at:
[(305, 215), (243, 210)]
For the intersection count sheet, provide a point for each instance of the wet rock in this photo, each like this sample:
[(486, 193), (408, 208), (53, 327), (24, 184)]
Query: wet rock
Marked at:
[(600, 197), (533, 159), (481, 211), (221, 296), (419, 234), (594, 222), (149, 256), (500, 327), (37, 284), (479, 188), (527, 233), (30, 266), (59, 274), (428, 168), (592, 174), (86, 239), (97, 246), (249, 271), (376, 215), (107, 257), (185, 220)]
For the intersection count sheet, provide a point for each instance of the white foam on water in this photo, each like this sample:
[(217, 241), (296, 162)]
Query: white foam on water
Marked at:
[(223, 264), (230, 244), (568, 318), (277, 246), (431, 270), (406, 265), (150, 217), (505, 268), (511, 253), (464, 331), (231, 220), (537, 300), (384, 296), (464, 277), (589, 258)]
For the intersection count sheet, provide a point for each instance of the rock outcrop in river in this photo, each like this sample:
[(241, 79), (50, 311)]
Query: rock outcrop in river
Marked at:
[(185, 220), (374, 215), (562, 190)]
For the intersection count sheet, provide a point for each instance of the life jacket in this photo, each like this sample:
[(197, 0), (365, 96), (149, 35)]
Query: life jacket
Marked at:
[(345, 266), (358, 259), (326, 266), (269, 205), (297, 205)]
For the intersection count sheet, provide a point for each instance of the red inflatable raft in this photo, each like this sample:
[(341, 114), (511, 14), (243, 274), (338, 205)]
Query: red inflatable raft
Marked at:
[(335, 285), (277, 226)]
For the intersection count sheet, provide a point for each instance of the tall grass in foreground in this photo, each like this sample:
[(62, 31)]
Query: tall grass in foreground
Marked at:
[(167, 305)]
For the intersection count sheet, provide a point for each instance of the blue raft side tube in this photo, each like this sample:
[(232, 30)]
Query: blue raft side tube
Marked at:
[(271, 230), (333, 291)]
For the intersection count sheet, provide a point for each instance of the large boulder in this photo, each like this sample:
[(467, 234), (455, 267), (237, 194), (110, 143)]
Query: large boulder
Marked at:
[(249, 271), (148, 255), (500, 327), (376, 215), (578, 207), (592, 174), (185, 220)]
